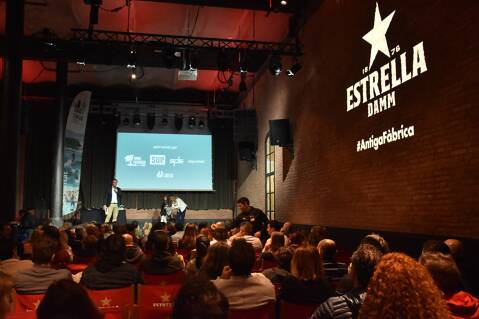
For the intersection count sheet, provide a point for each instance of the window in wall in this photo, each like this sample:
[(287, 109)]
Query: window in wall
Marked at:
[(269, 179)]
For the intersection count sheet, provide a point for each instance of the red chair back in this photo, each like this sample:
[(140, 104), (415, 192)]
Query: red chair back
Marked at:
[(114, 303), (264, 312), (76, 268), (296, 311), (23, 315), (156, 301), (175, 278), (266, 264), (27, 303)]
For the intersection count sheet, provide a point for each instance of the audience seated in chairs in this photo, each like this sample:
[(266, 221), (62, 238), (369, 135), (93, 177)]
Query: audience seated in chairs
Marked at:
[(242, 288), (401, 288), (37, 279), (67, 299), (10, 263), (219, 233), (202, 245), (200, 299), (363, 263), (447, 277), (296, 240), (267, 256), (316, 234), (277, 274), (333, 270), (377, 241), (163, 261), (245, 232), (216, 259), (188, 241), (110, 270), (6, 294), (307, 285)]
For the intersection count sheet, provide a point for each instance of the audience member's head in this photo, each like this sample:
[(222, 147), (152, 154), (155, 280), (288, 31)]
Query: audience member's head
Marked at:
[(198, 298), (171, 229), (160, 242), (51, 232), (241, 257), (316, 234), (8, 249), (43, 250), (246, 228), (327, 249), (443, 270), (284, 255), (363, 263), (202, 245), (306, 263), (67, 299), (216, 259), (189, 237), (111, 253), (297, 239), (179, 227), (402, 288), (273, 226), (435, 246), (456, 248), (377, 241), (6, 294), (220, 234), (277, 241), (128, 239), (286, 229)]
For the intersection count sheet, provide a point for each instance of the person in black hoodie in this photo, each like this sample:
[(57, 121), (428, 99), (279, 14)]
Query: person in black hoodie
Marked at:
[(110, 271), (363, 264), (163, 260)]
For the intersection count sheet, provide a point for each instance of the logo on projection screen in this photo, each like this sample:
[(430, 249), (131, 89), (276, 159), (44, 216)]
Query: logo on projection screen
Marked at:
[(376, 88)]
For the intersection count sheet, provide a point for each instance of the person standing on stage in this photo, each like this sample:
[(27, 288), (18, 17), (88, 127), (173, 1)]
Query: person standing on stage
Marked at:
[(255, 216), (112, 202), (165, 210), (178, 204)]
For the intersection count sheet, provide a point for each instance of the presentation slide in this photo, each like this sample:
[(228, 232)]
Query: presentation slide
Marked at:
[(164, 162)]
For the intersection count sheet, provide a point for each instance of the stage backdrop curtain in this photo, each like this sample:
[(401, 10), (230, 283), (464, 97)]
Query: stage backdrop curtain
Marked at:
[(99, 165)]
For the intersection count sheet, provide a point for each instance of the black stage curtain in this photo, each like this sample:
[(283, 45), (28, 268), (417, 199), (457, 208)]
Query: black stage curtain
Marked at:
[(99, 164)]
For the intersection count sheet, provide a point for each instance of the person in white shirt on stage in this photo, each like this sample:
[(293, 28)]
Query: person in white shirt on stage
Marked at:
[(112, 202), (180, 206)]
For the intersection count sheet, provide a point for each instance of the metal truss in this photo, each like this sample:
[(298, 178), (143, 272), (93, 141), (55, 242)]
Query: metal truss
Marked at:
[(183, 42)]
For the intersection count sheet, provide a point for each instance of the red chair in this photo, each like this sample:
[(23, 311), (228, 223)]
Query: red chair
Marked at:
[(76, 268), (114, 303), (264, 312), (23, 315), (27, 303), (296, 311), (156, 301), (175, 278), (266, 264)]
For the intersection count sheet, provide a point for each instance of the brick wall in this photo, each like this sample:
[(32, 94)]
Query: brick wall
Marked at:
[(428, 183)]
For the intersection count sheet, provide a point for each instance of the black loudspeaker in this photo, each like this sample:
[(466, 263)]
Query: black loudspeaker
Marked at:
[(279, 132), (247, 151), (245, 126)]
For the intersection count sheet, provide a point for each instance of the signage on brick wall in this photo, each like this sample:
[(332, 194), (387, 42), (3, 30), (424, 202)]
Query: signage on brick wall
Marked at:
[(377, 89)]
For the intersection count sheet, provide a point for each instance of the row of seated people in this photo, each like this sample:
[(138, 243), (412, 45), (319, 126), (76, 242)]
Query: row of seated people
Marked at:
[(299, 273)]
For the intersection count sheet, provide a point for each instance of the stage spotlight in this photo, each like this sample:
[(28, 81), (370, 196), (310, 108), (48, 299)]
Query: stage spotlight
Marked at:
[(131, 63), (126, 121), (133, 75), (178, 122), (294, 69), (284, 2), (150, 121), (275, 66), (242, 85), (192, 122), (136, 119)]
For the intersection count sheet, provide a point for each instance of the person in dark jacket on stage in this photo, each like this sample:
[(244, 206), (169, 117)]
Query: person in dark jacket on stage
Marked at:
[(363, 263)]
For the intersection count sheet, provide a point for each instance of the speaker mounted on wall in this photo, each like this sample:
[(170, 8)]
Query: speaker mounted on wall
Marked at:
[(280, 133)]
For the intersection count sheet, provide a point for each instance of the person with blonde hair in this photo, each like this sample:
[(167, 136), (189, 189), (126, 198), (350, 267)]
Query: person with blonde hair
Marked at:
[(402, 288), (307, 285), (6, 294)]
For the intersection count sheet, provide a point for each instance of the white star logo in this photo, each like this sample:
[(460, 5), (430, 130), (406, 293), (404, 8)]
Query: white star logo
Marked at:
[(377, 36)]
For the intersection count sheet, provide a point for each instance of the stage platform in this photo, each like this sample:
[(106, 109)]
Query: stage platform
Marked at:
[(148, 215)]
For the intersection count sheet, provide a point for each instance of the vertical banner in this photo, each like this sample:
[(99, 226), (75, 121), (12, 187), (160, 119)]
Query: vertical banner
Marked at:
[(73, 150)]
